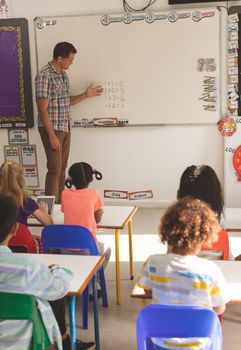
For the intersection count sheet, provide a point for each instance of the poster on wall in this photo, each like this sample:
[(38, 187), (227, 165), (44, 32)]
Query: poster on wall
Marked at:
[(11, 154), (5, 9), (31, 176), (18, 136), (28, 155), (16, 105)]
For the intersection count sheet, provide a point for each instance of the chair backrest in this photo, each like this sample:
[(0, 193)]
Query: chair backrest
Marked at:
[(177, 321), (68, 236), (24, 307), (18, 248), (23, 237), (222, 244)]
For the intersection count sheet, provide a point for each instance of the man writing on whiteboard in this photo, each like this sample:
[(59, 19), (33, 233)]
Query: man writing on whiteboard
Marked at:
[(54, 120)]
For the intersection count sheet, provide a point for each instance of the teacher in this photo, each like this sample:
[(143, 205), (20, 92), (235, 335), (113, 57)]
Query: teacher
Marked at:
[(54, 119)]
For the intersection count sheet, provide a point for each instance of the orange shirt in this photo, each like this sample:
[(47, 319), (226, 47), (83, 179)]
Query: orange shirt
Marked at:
[(79, 207)]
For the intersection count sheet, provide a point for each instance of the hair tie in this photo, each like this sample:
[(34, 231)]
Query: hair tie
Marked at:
[(97, 174), (69, 178)]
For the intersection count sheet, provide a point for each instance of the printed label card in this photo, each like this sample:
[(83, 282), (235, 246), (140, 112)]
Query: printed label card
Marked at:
[(233, 112), (233, 79), (233, 27), (31, 176), (116, 194), (233, 36), (28, 155), (233, 70), (232, 87), (11, 154), (18, 136), (233, 44), (140, 195), (232, 53), (233, 18), (233, 62)]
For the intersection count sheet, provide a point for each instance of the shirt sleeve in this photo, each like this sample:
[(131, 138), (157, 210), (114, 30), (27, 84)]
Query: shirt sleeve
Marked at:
[(29, 206), (143, 279), (42, 86), (98, 201), (48, 284), (219, 292)]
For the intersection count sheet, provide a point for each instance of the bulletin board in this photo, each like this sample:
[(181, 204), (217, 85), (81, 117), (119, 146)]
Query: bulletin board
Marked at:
[(16, 105), (156, 68)]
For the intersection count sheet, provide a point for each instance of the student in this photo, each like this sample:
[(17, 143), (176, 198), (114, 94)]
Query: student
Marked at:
[(12, 183), (180, 276), (23, 274), (201, 182), (82, 205), (54, 119)]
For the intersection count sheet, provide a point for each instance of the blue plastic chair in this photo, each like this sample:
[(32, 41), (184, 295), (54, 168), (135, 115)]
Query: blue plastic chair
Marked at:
[(177, 321), (75, 236)]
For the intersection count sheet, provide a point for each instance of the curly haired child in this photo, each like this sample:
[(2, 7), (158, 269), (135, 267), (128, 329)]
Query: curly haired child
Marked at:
[(181, 277)]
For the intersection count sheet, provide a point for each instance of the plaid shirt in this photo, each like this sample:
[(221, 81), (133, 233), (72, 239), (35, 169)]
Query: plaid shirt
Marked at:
[(55, 87)]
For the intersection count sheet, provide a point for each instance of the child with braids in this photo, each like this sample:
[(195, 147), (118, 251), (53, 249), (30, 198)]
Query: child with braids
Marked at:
[(82, 205), (180, 276)]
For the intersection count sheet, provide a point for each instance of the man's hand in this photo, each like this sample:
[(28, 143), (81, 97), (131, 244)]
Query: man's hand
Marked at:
[(54, 142), (92, 90)]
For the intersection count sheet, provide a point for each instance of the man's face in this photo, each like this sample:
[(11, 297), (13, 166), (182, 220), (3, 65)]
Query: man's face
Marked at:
[(67, 61)]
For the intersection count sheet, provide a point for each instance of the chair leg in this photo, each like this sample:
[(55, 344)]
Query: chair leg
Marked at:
[(72, 303), (85, 308), (103, 287)]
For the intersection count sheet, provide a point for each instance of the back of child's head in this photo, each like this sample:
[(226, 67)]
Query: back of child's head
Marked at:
[(80, 175), (201, 182), (188, 223), (12, 181), (8, 215)]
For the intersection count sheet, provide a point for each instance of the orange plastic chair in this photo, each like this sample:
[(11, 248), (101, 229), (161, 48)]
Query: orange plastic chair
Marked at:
[(23, 237), (221, 245)]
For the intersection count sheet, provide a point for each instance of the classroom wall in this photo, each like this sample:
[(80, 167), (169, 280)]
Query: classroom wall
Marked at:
[(150, 157)]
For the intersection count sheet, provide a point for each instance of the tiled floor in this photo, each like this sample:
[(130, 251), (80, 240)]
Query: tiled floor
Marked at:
[(117, 323)]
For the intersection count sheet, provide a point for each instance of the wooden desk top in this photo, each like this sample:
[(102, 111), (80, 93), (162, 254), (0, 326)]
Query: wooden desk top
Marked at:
[(232, 273), (83, 267)]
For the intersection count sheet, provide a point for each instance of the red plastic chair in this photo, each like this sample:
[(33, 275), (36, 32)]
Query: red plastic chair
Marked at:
[(222, 244), (23, 237)]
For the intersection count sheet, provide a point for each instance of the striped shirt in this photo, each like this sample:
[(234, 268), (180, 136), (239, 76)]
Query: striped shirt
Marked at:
[(20, 274), (55, 87), (177, 279)]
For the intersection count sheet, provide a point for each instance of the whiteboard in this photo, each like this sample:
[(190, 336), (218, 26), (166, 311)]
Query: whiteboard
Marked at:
[(156, 68)]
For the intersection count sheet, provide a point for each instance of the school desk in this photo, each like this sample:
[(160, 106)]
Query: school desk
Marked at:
[(232, 219), (232, 273), (115, 218), (84, 268)]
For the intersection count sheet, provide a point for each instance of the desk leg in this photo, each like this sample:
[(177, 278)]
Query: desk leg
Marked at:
[(96, 313), (117, 265), (72, 327), (130, 249)]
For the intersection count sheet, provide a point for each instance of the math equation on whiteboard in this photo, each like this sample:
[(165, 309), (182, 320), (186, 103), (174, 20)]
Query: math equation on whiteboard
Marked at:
[(114, 92)]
